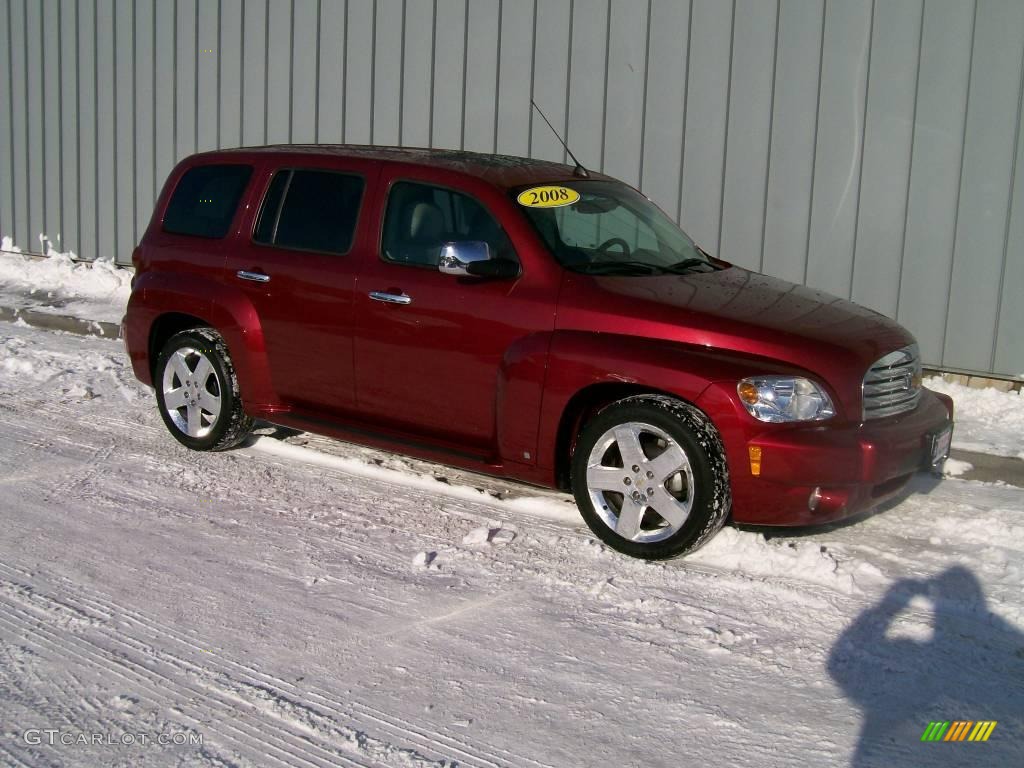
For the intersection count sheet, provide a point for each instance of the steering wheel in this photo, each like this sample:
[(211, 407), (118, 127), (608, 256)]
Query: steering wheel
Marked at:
[(612, 241)]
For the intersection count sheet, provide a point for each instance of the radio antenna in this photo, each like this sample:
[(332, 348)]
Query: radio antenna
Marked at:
[(580, 170)]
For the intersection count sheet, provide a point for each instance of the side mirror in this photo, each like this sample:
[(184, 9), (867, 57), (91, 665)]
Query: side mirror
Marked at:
[(457, 257), (473, 258)]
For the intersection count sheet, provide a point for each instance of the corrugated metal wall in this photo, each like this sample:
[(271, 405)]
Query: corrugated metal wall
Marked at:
[(867, 147)]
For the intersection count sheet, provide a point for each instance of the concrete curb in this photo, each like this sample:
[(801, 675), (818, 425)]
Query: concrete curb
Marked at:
[(991, 469), (67, 323)]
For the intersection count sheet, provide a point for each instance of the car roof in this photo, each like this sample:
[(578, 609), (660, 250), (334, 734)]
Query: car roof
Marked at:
[(501, 170)]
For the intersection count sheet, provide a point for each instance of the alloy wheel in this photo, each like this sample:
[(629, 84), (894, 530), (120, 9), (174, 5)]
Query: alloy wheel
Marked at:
[(191, 392), (640, 482)]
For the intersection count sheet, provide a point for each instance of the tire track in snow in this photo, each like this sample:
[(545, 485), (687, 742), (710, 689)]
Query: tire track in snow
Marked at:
[(70, 487), (154, 687), (467, 754), (310, 746), (13, 757)]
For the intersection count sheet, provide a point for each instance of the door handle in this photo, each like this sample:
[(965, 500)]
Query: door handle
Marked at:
[(256, 277), (390, 298)]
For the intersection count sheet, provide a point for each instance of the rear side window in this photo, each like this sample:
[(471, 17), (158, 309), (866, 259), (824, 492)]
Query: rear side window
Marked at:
[(310, 211), (205, 200)]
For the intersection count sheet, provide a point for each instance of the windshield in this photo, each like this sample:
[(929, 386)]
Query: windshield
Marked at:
[(605, 227)]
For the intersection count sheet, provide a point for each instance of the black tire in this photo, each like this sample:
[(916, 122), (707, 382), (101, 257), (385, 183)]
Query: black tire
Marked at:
[(707, 493), (231, 424)]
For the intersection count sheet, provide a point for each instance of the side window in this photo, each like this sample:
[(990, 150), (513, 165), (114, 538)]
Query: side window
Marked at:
[(204, 202), (310, 211), (420, 218)]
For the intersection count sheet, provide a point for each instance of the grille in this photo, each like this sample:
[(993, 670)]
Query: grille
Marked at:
[(893, 384)]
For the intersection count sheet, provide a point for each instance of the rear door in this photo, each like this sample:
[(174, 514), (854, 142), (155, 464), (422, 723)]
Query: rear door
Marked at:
[(298, 267)]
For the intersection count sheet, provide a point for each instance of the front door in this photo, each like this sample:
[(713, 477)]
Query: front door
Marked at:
[(432, 350)]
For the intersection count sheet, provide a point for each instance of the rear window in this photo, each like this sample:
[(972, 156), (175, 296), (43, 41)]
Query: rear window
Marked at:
[(205, 200), (310, 211)]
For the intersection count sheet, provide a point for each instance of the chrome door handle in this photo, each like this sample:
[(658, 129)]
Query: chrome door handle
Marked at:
[(256, 277), (390, 298)]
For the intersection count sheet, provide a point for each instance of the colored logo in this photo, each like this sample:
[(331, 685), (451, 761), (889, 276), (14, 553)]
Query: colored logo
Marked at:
[(958, 730)]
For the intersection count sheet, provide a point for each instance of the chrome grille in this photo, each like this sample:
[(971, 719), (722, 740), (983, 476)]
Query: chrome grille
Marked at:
[(893, 384)]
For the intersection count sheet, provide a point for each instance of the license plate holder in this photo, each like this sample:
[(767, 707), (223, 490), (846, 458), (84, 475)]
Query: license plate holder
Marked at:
[(939, 444)]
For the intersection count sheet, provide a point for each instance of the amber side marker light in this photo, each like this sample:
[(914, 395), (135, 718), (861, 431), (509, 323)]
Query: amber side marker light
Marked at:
[(754, 451)]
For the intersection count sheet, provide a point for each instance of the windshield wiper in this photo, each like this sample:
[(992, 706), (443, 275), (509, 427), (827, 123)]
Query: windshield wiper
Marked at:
[(686, 265), (633, 268)]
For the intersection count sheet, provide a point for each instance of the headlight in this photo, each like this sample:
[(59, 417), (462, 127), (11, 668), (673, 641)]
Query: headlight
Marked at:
[(784, 398)]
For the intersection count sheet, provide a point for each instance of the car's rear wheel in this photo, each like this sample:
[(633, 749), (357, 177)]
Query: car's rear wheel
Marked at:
[(197, 391), (650, 477)]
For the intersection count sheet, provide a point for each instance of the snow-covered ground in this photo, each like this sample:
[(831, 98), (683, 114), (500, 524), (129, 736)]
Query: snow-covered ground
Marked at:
[(304, 602), (987, 420), (95, 291)]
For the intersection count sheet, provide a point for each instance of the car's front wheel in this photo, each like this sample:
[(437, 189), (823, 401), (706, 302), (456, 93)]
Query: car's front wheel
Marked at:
[(650, 477), (197, 391)]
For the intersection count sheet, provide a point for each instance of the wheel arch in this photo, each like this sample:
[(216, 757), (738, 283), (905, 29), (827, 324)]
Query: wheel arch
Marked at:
[(163, 304), (587, 371), (702, 458), (164, 327), (581, 407)]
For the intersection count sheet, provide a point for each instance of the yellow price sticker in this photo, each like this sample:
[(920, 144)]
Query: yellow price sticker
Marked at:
[(548, 197)]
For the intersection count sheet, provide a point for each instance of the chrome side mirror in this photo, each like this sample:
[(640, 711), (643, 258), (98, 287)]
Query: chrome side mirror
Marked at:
[(456, 257)]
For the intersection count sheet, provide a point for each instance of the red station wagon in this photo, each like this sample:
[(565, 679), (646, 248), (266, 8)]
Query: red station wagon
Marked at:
[(525, 319)]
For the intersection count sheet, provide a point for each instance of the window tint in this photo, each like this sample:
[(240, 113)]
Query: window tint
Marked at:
[(589, 232), (205, 200), (421, 218), (271, 207), (318, 213), (613, 229)]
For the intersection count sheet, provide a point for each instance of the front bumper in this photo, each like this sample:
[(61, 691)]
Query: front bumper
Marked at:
[(854, 466)]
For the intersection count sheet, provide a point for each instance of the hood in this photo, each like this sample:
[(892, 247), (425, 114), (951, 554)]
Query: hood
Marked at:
[(736, 310)]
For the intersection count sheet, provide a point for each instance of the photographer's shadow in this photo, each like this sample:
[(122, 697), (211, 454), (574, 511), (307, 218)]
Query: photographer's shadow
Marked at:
[(970, 668)]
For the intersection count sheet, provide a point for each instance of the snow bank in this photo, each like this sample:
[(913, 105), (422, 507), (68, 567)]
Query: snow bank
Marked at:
[(804, 560), (987, 420), (27, 365), (61, 274)]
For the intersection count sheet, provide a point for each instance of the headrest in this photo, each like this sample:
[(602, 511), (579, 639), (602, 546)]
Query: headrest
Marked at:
[(426, 222)]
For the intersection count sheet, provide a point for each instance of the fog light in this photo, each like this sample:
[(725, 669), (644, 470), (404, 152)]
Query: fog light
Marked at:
[(813, 499), (754, 451)]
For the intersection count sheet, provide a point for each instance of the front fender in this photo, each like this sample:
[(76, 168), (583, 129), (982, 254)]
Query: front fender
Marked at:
[(228, 310), (579, 359)]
